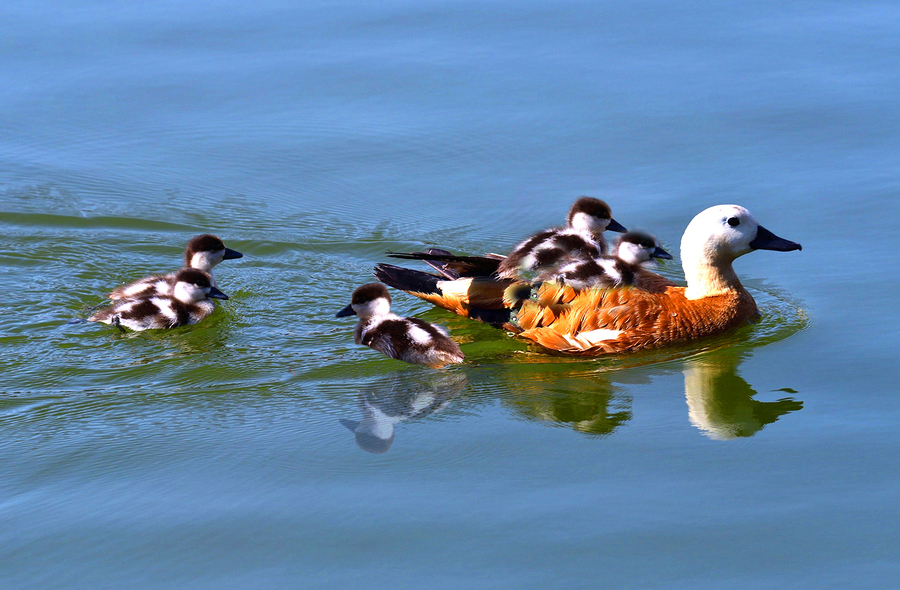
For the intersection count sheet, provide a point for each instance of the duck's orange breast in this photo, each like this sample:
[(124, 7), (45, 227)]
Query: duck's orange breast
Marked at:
[(604, 321)]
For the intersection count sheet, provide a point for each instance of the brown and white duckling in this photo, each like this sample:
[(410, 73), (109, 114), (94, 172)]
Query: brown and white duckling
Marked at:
[(583, 235), (407, 339), (202, 252), (189, 303), (633, 250)]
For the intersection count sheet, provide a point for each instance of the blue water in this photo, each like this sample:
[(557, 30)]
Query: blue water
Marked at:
[(314, 137)]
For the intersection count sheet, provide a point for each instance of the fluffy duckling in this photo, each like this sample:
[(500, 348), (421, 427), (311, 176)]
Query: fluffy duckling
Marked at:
[(202, 252), (633, 250), (583, 235), (602, 321), (407, 339), (189, 303)]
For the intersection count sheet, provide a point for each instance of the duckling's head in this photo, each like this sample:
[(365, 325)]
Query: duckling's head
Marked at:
[(193, 285), (593, 215), (372, 299), (206, 251), (725, 232), (637, 247)]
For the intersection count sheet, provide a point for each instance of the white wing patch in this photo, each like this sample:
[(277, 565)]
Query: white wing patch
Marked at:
[(418, 335), (609, 267), (136, 288), (588, 339), (165, 309)]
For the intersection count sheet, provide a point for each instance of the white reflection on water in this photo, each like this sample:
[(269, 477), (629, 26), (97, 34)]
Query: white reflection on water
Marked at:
[(396, 398)]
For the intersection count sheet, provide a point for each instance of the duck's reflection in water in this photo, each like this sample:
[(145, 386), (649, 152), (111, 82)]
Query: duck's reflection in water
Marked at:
[(401, 396), (584, 401), (596, 401), (720, 402)]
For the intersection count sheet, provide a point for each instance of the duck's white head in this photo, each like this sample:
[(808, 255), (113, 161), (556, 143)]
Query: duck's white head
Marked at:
[(369, 300), (193, 285), (593, 215), (637, 247), (714, 239), (205, 251)]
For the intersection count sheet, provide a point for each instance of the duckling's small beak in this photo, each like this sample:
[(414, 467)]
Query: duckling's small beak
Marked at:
[(616, 226), (216, 294), (345, 312), (766, 240), (231, 254), (660, 253)]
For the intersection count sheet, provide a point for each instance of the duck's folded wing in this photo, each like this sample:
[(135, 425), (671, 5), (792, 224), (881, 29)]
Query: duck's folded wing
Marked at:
[(145, 287), (452, 266)]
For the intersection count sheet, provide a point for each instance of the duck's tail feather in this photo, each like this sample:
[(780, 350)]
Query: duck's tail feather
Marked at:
[(478, 299), (415, 282), (452, 266)]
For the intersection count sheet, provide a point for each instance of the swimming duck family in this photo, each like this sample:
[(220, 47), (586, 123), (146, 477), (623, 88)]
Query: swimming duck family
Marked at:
[(584, 301), (407, 339), (603, 320)]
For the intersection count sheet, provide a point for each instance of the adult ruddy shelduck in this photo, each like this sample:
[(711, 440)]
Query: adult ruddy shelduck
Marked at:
[(601, 321)]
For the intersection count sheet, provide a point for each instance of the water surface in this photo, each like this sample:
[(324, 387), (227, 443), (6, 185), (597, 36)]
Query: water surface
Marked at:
[(263, 449)]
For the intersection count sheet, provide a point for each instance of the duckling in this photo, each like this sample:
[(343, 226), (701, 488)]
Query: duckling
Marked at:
[(407, 339), (633, 250), (202, 252), (588, 219), (189, 303), (602, 321)]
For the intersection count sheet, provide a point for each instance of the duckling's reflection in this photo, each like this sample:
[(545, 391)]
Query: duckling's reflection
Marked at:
[(720, 402), (401, 396)]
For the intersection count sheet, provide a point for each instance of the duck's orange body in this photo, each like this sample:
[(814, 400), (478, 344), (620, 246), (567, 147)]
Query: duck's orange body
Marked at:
[(603, 321)]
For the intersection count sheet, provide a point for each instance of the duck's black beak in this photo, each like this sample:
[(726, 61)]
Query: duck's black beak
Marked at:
[(766, 240), (216, 294), (231, 254), (660, 253), (345, 312), (616, 226)]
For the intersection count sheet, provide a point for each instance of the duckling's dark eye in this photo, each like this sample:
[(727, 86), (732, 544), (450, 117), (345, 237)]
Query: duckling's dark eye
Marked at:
[(734, 221)]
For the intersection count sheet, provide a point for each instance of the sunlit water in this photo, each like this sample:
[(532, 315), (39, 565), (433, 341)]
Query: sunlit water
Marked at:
[(262, 449)]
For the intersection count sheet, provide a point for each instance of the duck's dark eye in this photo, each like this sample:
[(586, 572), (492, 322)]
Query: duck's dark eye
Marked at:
[(734, 221)]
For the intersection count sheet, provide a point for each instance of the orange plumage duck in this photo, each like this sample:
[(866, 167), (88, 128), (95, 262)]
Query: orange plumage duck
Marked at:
[(595, 322)]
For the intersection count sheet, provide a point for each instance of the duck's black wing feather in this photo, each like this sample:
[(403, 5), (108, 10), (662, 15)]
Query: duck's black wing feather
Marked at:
[(452, 266)]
